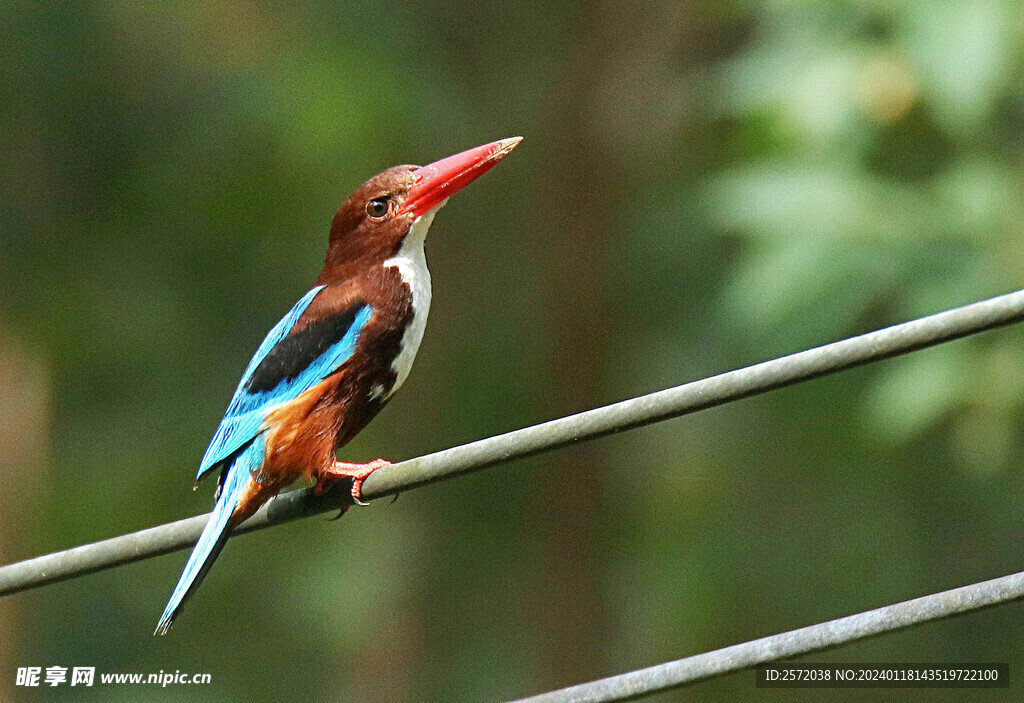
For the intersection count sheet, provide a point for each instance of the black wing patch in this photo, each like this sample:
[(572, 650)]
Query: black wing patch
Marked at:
[(293, 354)]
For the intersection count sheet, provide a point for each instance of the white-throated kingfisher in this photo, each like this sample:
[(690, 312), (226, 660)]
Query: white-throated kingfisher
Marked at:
[(338, 356)]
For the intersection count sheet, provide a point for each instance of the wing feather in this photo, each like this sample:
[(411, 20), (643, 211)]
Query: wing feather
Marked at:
[(285, 366)]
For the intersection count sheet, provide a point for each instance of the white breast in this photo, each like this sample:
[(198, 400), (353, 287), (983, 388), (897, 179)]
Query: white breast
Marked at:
[(411, 263)]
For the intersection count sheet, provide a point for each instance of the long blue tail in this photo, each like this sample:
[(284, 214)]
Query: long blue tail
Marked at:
[(215, 534)]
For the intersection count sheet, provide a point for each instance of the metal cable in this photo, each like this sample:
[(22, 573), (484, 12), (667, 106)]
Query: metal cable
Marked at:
[(617, 417), (815, 638)]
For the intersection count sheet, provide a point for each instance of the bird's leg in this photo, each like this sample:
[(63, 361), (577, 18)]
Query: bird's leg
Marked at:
[(356, 472)]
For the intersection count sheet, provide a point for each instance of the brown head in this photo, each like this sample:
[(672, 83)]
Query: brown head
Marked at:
[(374, 221)]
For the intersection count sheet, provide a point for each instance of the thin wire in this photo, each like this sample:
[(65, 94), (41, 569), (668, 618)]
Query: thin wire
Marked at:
[(617, 417), (814, 638)]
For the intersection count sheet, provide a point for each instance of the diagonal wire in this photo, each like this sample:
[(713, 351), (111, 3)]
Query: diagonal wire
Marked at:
[(814, 638), (617, 417)]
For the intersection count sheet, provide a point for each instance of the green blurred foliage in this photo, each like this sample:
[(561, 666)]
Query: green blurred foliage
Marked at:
[(882, 180), (727, 182)]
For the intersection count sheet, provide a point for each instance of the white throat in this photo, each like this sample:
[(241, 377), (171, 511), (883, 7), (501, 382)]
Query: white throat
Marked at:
[(411, 263)]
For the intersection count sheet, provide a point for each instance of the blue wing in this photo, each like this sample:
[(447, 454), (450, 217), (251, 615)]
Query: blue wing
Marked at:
[(285, 366)]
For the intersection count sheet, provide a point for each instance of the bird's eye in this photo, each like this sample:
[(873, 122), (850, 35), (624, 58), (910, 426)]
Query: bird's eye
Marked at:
[(377, 208)]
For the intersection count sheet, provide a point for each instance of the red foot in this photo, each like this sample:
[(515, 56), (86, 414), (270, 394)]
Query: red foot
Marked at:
[(356, 472)]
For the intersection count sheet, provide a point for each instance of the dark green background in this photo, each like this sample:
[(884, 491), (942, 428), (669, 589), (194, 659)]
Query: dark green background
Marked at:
[(702, 186)]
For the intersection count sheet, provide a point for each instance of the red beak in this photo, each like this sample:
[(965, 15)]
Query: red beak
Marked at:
[(437, 181)]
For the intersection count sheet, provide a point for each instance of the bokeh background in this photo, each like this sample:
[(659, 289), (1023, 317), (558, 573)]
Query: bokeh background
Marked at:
[(703, 185)]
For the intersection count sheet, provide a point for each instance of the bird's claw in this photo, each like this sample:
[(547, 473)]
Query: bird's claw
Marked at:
[(357, 472)]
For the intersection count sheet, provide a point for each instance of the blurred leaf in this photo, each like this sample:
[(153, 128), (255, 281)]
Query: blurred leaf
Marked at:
[(923, 388), (963, 52)]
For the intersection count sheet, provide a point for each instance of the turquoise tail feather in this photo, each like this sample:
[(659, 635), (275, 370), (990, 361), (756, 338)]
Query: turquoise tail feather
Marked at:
[(216, 532)]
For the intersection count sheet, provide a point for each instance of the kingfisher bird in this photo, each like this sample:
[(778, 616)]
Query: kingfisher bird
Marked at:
[(339, 355)]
